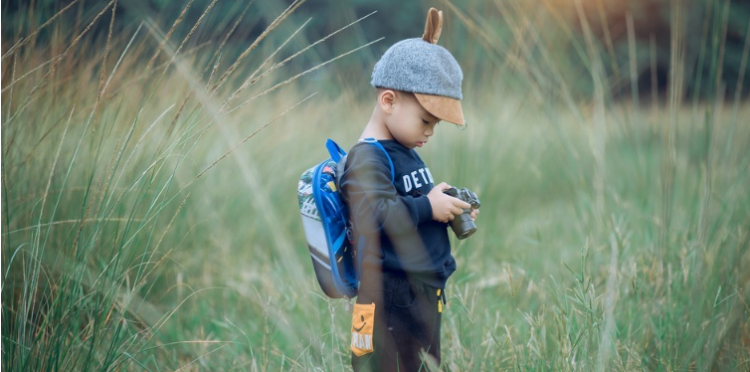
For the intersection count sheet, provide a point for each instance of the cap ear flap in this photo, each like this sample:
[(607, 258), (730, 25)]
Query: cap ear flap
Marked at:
[(433, 27)]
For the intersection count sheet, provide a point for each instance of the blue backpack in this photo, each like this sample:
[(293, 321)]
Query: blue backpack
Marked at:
[(325, 219)]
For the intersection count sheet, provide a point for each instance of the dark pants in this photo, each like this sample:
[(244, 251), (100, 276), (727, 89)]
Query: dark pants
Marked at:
[(406, 327)]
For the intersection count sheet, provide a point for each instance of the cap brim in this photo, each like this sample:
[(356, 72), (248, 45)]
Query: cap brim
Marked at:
[(443, 108)]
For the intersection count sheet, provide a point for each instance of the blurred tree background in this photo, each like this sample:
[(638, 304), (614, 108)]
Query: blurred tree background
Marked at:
[(479, 33)]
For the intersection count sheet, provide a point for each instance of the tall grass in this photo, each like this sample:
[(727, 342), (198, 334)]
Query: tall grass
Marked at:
[(149, 220), (102, 150)]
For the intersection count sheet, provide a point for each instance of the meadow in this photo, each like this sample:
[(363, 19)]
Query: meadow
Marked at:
[(150, 218)]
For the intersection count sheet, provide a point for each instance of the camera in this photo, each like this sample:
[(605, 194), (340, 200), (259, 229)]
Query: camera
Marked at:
[(463, 225)]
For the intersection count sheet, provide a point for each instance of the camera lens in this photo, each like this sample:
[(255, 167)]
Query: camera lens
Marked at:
[(463, 226)]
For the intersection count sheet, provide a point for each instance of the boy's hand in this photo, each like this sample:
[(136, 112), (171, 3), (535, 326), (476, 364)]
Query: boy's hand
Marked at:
[(445, 207), (474, 214)]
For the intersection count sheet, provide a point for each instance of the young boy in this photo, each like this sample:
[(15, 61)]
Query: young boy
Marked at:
[(400, 219)]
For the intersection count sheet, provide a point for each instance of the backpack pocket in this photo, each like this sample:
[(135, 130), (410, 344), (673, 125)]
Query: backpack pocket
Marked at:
[(363, 322)]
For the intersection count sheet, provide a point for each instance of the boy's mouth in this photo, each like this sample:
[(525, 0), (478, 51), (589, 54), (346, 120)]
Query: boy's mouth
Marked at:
[(421, 143)]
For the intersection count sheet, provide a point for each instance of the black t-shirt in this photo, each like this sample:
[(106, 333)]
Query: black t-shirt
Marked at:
[(395, 218)]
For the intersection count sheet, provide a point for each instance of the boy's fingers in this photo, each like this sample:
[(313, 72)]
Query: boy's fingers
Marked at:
[(461, 204), (443, 186)]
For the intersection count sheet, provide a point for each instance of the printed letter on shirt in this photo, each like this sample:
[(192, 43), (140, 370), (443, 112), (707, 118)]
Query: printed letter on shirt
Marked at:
[(407, 183), (424, 178), (416, 180), (429, 175)]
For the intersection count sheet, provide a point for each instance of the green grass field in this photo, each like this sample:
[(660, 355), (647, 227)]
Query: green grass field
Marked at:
[(150, 221)]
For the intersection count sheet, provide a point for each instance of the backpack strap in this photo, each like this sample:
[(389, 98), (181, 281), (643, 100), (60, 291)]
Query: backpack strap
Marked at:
[(362, 241), (335, 150), (380, 146)]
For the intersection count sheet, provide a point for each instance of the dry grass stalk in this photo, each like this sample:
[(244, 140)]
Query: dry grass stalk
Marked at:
[(43, 81), (192, 30), (21, 42), (169, 35), (598, 133), (276, 22), (107, 48), (252, 79), (228, 35), (608, 40), (743, 65), (247, 81), (264, 126), (55, 61), (295, 77)]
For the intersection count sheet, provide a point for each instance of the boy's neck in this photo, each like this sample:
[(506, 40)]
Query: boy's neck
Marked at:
[(376, 127)]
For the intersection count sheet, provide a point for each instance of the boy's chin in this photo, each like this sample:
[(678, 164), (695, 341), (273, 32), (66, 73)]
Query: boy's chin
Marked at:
[(411, 145)]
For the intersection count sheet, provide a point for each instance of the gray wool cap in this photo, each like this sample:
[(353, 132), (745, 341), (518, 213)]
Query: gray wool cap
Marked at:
[(417, 66)]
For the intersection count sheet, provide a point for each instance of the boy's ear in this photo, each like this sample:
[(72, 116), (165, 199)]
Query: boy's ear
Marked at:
[(386, 99)]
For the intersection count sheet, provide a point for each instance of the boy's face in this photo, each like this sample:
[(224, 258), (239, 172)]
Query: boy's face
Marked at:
[(409, 123)]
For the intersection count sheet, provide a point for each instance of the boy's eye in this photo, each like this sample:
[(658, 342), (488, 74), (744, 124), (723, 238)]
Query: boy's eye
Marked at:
[(425, 121)]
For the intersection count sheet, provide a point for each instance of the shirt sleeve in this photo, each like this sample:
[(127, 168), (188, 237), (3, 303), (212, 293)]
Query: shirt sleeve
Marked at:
[(374, 203)]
